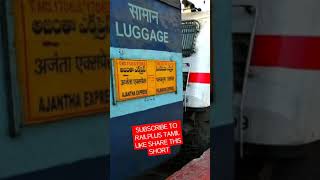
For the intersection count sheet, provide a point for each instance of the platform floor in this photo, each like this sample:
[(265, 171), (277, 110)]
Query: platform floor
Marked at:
[(178, 168), (197, 169)]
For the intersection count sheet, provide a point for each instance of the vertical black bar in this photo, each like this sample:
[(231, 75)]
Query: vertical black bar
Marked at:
[(6, 70), (222, 128)]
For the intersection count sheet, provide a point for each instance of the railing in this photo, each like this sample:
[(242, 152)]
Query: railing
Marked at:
[(190, 30)]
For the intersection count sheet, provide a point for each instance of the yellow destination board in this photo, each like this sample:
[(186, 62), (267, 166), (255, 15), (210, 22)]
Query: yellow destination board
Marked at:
[(132, 79), (62, 57), (165, 77), (141, 78)]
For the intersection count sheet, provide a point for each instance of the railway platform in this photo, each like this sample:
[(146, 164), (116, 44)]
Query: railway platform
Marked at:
[(198, 168)]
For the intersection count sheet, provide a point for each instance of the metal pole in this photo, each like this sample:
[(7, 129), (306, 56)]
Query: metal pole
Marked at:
[(244, 87)]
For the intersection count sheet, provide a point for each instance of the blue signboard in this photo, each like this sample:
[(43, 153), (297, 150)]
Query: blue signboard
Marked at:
[(148, 24)]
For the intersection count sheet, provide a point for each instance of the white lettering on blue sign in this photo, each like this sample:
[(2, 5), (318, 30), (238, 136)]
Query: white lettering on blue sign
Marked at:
[(138, 12), (137, 32), (134, 31)]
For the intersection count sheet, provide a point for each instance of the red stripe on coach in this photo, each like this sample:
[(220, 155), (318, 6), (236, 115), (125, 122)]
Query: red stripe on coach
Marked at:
[(199, 78), (287, 51)]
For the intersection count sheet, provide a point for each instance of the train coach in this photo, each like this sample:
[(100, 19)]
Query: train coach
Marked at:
[(275, 70), (146, 83), (54, 85)]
